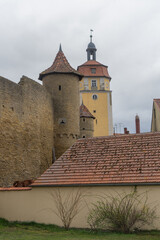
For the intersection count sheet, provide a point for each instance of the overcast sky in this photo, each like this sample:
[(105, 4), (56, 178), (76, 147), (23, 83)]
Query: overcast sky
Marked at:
[(126, 35)]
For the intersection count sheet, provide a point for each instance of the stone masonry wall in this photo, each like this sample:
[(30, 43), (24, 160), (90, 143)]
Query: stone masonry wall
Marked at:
[(86, 127), (64, 89), (26, 130)]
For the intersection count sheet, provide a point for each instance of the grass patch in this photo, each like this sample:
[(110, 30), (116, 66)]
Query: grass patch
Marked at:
[(36, 231)]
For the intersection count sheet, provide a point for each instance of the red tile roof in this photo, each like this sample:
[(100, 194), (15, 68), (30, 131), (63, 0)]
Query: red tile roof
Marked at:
[(84, 112), (157, 101), (124, 159), (101, 70), (60, 65)]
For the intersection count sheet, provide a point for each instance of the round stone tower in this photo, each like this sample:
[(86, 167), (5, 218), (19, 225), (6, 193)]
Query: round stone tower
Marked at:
[(86, 122), (62, 81)]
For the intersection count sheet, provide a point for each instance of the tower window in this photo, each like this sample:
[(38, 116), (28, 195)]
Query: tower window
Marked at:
[(93, 70), (60, 87), (94, 96), (62, 121), (94, 83), (84, 119)]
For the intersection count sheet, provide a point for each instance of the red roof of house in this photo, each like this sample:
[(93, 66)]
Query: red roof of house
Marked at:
[(101, 70), (124, 159), (60, 65), (84, 112), (157, 101)]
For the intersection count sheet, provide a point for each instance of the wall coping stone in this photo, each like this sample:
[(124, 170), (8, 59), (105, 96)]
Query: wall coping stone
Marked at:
[(16, 189)]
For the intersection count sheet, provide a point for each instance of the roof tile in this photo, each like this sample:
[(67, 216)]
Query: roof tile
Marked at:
[(122, 159), (101, 70), (60, 65), (84, 112)]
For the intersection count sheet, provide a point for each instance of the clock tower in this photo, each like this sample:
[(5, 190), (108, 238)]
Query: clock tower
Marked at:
[(95, 92)]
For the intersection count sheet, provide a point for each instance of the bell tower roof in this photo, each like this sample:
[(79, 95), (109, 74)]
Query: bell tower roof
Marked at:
[(60, 65), (91, 49)]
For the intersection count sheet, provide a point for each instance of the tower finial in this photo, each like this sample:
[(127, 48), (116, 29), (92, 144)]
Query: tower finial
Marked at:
[(60, 48), (91, 35), (91, 49)]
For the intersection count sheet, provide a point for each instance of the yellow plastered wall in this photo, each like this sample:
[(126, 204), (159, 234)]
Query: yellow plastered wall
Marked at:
[(155, 124), (100, 107), (39, 205), (106, 83)]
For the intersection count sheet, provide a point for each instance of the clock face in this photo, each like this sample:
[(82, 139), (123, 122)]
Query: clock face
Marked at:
[(81, 85)]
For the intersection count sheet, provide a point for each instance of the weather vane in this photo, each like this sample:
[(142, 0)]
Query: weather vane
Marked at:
[(91, 34)]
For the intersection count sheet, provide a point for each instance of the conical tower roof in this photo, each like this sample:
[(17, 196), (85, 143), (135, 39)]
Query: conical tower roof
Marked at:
[(60, 65), (84, 112)]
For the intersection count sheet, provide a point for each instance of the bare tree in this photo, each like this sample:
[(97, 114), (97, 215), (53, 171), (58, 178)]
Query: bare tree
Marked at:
[(122, 212), (67, 206)]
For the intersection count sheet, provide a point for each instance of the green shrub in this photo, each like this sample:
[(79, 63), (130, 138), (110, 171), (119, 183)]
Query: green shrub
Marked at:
[(121, 213)]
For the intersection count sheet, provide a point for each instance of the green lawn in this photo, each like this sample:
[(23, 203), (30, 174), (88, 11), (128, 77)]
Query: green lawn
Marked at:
[(33, 231)]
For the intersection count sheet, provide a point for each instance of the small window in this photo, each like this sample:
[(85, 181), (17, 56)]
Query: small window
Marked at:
[(62, 121), (93, 70), (83, 128), (84, 119), (60, 87), (94, 83), (96, 121), (94, 111), (83, 136), (94, 96)]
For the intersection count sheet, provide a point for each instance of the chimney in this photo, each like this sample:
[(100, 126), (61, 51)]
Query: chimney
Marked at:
[(137, 122), (126, 131)]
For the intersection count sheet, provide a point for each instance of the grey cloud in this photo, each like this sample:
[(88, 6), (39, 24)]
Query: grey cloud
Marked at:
[(126, 34)]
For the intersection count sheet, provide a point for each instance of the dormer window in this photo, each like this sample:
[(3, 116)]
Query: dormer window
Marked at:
[(93, 70)]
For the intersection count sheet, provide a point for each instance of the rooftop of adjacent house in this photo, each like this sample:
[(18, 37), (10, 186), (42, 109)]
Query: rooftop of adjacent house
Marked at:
[(114, 160), (157, 101), (84, 112), (60, 65), (100, 69)]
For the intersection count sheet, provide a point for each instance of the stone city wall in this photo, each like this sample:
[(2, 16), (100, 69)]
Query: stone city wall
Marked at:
[(26, 130)]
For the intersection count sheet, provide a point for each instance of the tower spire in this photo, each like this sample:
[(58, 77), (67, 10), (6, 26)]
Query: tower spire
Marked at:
[(91, 49), (60, 48)]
